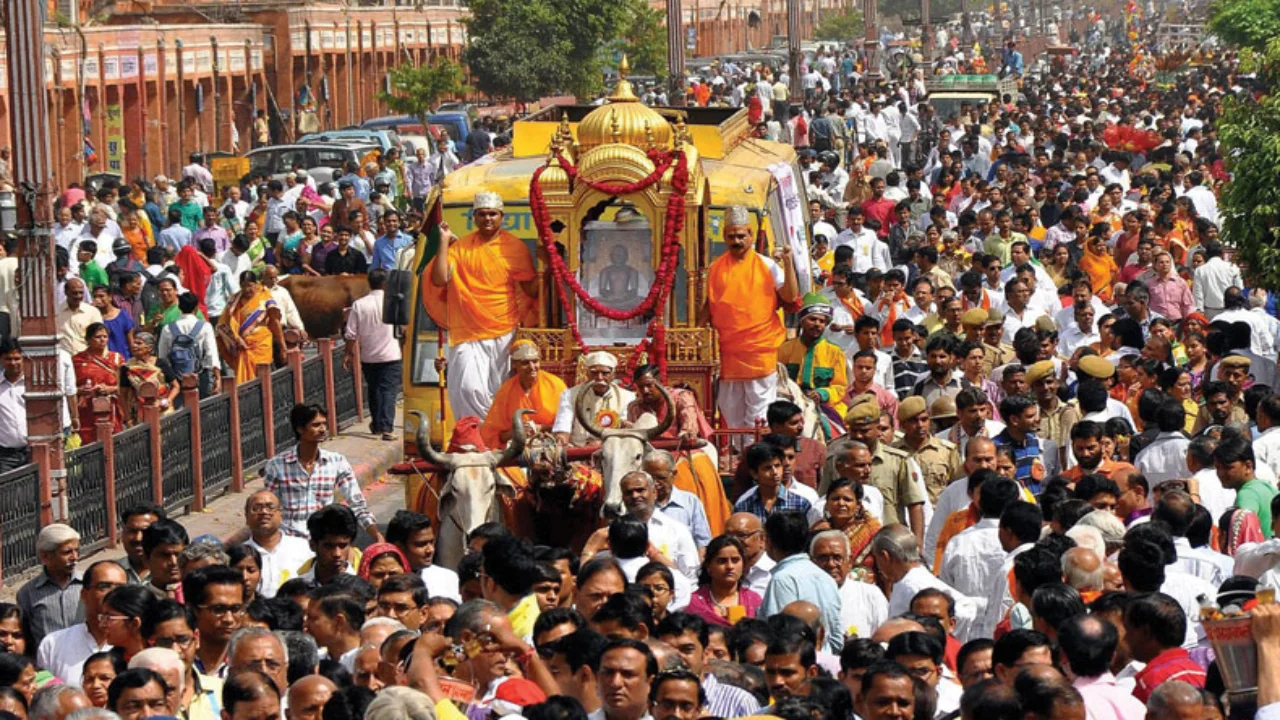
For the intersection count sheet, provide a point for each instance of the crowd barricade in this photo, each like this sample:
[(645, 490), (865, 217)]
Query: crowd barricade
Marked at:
[(181, 460)]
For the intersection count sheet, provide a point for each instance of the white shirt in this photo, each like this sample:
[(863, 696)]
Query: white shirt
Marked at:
[(1259, 343), (13, 413), (919, 578), (1070, 338), (206, 343), (1205, 201), (377, 339), (972, 558), (863, 608), (758, 575), (1164, 459), (236, 264), (953, 497), (441, 582), (616, 399), (1014, 321), (1204, 563), (676, 542), (1215, 498), (290, 317), (67, 235), (282, 563), (948, 701), (1211, 280), (999, 599), (1185, 588), (1270, 330), (868, 251), (63, 652)]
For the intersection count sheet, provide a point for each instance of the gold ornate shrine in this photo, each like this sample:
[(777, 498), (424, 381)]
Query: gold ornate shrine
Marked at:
[(612, 245)]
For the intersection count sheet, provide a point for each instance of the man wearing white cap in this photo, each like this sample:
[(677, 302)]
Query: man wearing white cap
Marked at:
[(744, 293), (479, 288), (604, 397)]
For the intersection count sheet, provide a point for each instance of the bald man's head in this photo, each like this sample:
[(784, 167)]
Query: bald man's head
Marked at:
[(895, 627), (307, 697), (808, 612), (747, 528), (1082, 569), (979, 454)]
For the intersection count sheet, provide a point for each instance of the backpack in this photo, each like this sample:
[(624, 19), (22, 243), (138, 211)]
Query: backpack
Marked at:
[(184, 354), (820, 133), (150, 294)]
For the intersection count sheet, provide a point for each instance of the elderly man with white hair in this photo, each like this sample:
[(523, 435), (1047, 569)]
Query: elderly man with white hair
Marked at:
[(745, 290), (401, 703), (56, 702), (1082, 570), (478, 291), (51, 600), (863, 607), (605, 399), (167, 664)]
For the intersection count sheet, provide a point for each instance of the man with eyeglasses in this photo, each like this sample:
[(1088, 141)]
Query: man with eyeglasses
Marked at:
[(282, 554), (921, 654), (216, 593), (757, 565), (604, 396), (677, 695), (401, 598), (63, 652), (170, 625), (261, 650)]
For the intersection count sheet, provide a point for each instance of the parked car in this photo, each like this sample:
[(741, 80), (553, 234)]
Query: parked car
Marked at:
[(386, 139), (322, 161), (403, 124)]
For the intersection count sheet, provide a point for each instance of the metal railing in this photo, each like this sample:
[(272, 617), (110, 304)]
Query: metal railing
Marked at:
[(133, 467), (180, 461), (215, 444), (282, 401), (176, 459), (253, 434), (87, 495), (20, 517)]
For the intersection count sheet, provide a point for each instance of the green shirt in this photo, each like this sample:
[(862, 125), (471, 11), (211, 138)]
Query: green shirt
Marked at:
[(192, 214), (1255, 496), (92, 275)]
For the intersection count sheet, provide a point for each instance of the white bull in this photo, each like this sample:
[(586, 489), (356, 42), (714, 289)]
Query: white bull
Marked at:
[(469, 495), (621, 449)]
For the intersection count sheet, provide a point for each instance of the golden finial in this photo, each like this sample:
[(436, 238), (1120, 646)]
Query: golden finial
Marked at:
[(623, 92), (648, 135), (614, 128), (682, 133)]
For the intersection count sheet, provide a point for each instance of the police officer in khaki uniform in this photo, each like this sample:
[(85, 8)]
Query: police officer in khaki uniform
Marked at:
[(893, 472), (938, 459), (1056, 417), (1234, 371), (971, 322), (997, 353)]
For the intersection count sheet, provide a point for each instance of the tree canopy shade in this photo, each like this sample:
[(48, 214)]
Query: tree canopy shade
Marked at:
[(526, 49), (417, 90), (841, 26), (1250, 133)]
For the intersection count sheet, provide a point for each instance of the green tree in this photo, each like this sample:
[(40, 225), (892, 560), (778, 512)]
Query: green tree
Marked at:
[(527, 49), (843, 26), (417, 90), (1249, 206), (643, 39)]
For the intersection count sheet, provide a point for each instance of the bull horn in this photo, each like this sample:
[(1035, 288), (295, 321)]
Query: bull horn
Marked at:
[(444, 462), (515, 446), (587, 422), (654, 433)]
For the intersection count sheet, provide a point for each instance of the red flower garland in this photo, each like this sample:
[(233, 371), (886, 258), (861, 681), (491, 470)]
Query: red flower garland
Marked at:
[(670, 253)]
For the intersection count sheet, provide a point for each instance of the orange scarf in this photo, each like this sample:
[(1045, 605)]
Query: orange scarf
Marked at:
[(986, 301), (855, 307), (886, 326), (1099, 268)]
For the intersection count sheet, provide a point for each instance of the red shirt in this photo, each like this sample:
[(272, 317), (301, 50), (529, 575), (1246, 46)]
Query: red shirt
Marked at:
[(882, 211), (1174, 664)]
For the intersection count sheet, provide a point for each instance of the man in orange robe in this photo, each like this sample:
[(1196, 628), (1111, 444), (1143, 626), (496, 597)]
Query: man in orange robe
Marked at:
[(529, 388), (745, 291), (477, 290)]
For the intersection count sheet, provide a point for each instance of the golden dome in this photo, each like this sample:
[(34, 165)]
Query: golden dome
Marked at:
[(624, 119)]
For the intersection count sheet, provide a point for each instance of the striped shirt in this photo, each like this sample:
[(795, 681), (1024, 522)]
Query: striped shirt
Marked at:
[(302, 494), (727, 701), (1172, 664), (907, 372), (750, 502), (1030, 470)]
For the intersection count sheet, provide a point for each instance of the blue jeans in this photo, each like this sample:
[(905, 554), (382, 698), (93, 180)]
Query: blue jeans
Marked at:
[(382, 382)]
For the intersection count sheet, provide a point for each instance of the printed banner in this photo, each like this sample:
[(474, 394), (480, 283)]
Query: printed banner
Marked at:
[(792, 222), (115, 139)]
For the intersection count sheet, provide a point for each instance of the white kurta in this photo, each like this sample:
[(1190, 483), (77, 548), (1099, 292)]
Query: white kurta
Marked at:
[(863, 608), (741, 402), (972, 559), (919, 578), (1164, 459), (616, 399)]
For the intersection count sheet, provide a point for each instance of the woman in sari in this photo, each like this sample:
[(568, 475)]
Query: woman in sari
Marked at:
[(845, 512), (1059, 265), (1238, 527), (1098, 265), (259, 248), (97, 375), (144, 367), (249, 327), (721, 598)]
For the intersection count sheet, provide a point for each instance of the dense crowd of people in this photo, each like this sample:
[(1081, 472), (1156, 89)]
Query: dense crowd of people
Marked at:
[(1019, 451)]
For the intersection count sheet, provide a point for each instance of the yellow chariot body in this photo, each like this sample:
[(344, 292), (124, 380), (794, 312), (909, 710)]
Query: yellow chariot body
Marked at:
[(562, 172)]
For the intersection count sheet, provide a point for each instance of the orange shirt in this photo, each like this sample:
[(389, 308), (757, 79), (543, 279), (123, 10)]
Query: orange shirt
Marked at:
[(956, 523), (482, 299), (543, 398), (138, 241), (743, 299), (1107, 468)]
